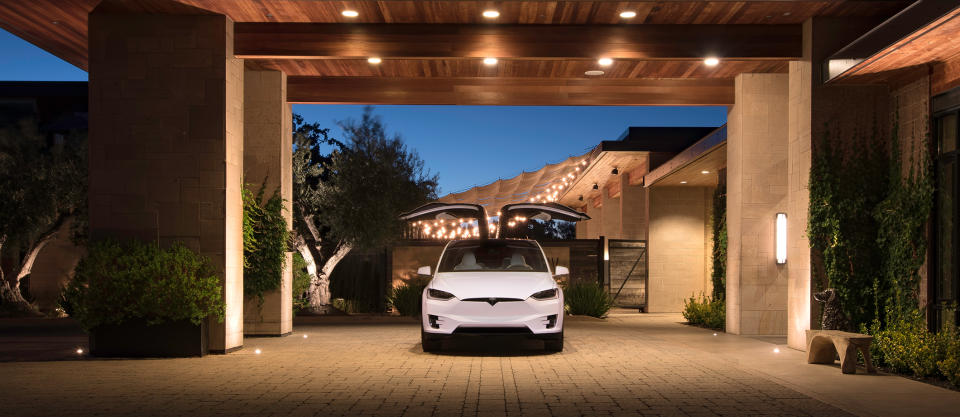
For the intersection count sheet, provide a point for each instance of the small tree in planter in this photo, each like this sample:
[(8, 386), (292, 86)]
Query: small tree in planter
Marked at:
[(137, 299)]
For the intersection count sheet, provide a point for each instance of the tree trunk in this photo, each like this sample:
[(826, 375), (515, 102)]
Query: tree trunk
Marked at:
[(10, 295), (320, 285)]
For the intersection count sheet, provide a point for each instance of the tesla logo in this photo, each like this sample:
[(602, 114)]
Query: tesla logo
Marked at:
[(492, 301)]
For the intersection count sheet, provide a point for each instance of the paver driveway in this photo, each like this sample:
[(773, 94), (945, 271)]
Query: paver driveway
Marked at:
[(612, 367)]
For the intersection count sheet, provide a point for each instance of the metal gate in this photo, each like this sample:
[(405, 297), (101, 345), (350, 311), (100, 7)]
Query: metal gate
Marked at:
[(627, 273)]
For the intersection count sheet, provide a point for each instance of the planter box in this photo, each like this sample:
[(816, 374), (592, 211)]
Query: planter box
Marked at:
[(137, 339)]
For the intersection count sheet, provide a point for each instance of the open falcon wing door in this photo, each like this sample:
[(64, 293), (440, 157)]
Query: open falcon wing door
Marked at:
[(521, 212), (446, 212)]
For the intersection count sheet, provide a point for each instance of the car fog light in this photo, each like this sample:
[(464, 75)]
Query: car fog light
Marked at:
[(551, 321), (432, 319)]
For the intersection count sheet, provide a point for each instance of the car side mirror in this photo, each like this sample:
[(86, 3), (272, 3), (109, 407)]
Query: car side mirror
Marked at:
[(423, 270), (561, 270)]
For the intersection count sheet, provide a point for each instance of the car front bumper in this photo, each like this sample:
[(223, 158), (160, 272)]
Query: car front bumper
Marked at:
[(456, 316)]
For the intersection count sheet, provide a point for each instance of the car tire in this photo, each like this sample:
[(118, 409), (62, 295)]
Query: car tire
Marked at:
[(554, 344), (429, 343)]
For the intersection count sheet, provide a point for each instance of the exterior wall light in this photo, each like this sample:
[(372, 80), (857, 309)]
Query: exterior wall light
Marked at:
[(781, 236)]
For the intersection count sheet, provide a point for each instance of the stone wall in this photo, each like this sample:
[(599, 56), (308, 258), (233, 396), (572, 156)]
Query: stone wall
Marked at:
[(676, 253)]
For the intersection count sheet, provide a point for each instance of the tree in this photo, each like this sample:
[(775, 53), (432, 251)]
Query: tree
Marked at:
[(43, 182), (351, 196)]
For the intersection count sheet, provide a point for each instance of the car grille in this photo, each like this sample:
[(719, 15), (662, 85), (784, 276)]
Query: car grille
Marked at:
[(492, 330)]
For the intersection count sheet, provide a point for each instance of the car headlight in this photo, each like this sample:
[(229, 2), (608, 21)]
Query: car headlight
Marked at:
[(545, 294), (438, 294)]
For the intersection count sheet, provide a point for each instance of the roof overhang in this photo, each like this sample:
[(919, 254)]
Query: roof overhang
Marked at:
[(697, 166), (927, 31)]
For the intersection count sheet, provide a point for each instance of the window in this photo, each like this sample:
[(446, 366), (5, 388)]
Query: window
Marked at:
[(493, 255), (947, 270)]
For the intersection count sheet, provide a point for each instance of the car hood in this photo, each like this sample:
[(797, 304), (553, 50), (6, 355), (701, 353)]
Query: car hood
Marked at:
[(493, 284)]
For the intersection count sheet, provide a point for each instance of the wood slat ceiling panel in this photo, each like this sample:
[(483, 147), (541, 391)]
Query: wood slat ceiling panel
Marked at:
[(546, 12), (456, 68)]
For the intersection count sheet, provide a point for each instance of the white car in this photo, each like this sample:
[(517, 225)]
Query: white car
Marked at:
[(492, 287)]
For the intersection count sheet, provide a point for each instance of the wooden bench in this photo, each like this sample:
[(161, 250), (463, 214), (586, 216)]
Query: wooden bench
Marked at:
[(823, 346)]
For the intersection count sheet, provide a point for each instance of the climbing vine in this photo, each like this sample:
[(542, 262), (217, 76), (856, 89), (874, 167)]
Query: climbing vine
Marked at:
[(719, 224), (265, 239), (866, 222)]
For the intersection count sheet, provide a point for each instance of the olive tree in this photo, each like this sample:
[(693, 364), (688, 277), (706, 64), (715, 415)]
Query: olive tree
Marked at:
[(43, 184), (347, 194)]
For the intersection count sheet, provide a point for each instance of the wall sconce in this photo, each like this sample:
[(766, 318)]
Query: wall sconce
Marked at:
[(615, 171), (595, 186), (781, 236)]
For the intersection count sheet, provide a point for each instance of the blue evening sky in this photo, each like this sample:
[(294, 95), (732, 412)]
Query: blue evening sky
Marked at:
[(465, 145)]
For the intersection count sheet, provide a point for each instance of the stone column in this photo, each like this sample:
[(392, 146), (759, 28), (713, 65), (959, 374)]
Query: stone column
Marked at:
[(267, 161), (756, 192), (611, 211), (166, 141), (594, 226), (633, 209)]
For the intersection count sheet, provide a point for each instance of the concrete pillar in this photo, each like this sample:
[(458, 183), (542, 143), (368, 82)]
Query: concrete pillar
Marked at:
[(633, 209), (594, 226), (676, 249), (611, 211), (267, 160), (756, 192), (166, 141)]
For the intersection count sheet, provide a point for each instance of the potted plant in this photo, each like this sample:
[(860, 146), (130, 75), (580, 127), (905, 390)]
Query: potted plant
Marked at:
[(137, 299)]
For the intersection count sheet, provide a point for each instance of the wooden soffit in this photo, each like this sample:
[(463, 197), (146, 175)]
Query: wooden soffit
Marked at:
[(696, 166)]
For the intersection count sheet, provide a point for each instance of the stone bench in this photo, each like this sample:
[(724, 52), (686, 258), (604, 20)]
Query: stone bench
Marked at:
[(823, 346)]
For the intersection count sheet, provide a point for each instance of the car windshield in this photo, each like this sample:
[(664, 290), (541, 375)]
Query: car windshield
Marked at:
[(493, 255)]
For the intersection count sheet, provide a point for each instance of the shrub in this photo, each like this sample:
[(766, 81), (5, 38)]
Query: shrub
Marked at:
[(705, 312), (950, 365), (116, 283), (585, 299), (405, 298), (264, 242), (906, 346)]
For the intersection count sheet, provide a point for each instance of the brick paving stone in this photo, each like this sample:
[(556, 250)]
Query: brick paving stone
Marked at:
[(373, 369)]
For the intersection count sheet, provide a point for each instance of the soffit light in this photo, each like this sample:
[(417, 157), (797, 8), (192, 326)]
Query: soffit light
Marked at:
[(711, 61), (683, 182), (595, 186), (374, 60), (704, 172), (490, 61), (605, 62), (350, 13), (628, 14), (593, 73), (615, 171), (491, 14)]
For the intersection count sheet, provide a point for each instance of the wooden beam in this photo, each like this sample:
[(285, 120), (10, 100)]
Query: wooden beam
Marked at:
[(509, 91), (323, 40)]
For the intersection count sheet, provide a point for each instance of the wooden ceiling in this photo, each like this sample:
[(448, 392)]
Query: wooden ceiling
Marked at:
[(309, 41)]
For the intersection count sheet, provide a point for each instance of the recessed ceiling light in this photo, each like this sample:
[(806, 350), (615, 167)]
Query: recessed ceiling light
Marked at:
[(350, 13), (711, 62), (704, 172), (374, 60), (490, 61), (491, 14), (604, 62), (683, 182), (628, 14), (593, 73)]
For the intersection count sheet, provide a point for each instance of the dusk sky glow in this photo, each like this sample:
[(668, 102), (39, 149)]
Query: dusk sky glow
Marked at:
[(465, 145)]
